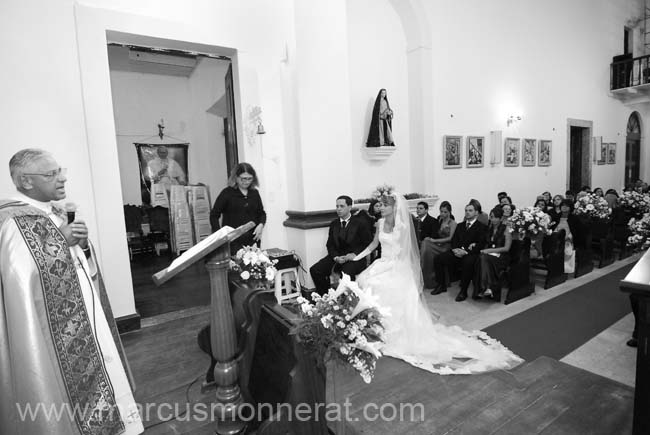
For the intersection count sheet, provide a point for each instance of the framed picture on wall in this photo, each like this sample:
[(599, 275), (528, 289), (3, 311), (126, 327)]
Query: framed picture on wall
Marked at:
[(528, 152), (452, 152), (611, 153), (475, 151), (544, 153), (602, 159), (511, 152)]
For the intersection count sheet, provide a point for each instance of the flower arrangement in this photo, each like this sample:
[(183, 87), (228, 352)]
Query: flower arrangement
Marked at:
[(592, 206), (640, 229), (253, 263), (383, 190), (343, 325), (529, 221), (635, 203)]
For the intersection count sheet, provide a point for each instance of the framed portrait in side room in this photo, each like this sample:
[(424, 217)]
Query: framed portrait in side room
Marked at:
[(611, 153), (475, 151), (511, 151), (452, 152), (602, 159), (528, 152), (544, 153)]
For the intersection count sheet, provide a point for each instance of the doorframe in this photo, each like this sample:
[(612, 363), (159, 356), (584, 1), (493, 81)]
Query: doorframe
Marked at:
[(587, 152)]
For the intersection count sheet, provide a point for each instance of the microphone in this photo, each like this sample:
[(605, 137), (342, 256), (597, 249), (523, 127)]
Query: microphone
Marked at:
[(70, 210)]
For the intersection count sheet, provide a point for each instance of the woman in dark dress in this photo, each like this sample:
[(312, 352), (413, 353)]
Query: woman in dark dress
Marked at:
[(240, 203), (495, 257), (431, 248)]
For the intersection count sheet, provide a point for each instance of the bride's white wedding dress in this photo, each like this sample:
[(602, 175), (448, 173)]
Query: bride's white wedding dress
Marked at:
[(411, 333)]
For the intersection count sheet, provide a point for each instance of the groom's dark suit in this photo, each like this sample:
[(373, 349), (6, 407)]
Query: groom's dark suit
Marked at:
[(354, 238), (470, 239)]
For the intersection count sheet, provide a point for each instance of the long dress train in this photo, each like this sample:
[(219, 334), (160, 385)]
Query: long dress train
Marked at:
[(411, 333)]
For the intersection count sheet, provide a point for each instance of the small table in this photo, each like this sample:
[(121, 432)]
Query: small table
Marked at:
[(637, 283)]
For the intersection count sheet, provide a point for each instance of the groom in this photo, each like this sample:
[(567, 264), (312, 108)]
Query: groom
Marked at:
[(466, 244), (348, 236)]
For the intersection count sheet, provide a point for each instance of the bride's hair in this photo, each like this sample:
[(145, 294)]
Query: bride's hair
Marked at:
[(388, 200)]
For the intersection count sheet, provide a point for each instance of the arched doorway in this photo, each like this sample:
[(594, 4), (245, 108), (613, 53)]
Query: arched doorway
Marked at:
[(633, 149)]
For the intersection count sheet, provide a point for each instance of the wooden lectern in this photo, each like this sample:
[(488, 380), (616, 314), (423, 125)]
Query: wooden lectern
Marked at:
[(224, 341), (637, 283), (258, 361)]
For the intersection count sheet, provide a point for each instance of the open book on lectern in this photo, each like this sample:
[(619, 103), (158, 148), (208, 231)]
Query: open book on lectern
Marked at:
[(200, 250)]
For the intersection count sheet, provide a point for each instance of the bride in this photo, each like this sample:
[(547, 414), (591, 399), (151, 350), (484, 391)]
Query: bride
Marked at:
[(411, 333)]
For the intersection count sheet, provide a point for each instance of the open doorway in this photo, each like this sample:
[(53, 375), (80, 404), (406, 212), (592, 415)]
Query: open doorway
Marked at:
[(578, 154), (633, 149), (174, 124)]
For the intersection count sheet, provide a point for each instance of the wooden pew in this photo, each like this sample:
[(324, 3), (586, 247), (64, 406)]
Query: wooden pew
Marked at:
[(602, 242), (553, 259), (517, 275), (584, 253), (621, 233)]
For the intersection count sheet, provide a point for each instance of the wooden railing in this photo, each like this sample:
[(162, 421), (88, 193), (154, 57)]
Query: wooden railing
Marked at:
[(630, 72)]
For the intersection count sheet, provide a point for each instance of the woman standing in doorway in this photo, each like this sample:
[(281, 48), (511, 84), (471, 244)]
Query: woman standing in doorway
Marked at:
[(240, 203)]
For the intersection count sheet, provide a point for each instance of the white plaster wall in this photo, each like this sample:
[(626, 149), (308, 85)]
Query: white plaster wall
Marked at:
[(57, 94), (500, 57), (208, 144), (377, 59), (139, 102)]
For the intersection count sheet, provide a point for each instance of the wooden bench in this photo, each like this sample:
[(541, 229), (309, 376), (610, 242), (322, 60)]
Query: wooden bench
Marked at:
[(602, 242), (553, 259), (517, 275), (584, 253)]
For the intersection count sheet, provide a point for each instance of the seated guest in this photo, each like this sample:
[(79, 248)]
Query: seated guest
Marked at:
[(348, 236), (612, 198), (599, 192), (482, 216), (585, 189), (505, 200), (568, 222), (554, 210), (372, 215), (501, 195), (467, 242), (436, 245), (494, 257), (547, 196), (507, 211), (425, 225), (540, 203), (570, 195)]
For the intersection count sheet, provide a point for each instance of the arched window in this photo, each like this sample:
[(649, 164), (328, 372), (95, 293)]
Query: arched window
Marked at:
[(633, 149)]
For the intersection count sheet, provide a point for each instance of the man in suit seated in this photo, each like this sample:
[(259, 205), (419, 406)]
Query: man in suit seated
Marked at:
[(425, 225), (348, 236), (466, 244)]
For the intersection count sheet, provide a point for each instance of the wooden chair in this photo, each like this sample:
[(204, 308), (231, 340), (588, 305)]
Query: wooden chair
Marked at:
[(553, 259), (159, 223), (137, 242)]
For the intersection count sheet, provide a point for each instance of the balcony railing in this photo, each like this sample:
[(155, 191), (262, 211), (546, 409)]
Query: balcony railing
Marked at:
[(630, 72)]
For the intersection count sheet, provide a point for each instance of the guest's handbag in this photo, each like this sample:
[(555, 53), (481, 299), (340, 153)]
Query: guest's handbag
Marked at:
[(569, 257)]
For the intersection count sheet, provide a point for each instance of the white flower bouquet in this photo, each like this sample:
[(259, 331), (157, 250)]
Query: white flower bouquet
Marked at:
[(635, 203), (640, 229), (592, 206), (343, 325), (253, 263), (383, 190), (529, 221)]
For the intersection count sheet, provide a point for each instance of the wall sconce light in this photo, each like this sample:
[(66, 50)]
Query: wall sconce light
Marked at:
[(260, 129), (512, 119)]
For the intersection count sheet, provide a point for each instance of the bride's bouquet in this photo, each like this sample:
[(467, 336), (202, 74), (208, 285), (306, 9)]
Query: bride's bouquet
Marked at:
[(345, 325), (253, 263), (592, 206), (635, 203), (529, 221), (640, 229)]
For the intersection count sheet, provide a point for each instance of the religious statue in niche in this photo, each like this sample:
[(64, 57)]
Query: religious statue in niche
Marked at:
[(381, 124)]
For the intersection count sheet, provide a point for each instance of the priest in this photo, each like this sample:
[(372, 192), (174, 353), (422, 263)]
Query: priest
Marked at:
[(62, 364)]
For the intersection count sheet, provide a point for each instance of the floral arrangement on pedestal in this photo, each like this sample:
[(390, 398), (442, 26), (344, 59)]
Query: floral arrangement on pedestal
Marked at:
[(529, 221), (635, 203), (344, 325), (592, 206), (383, 190), (640, 229), (251, 263)]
